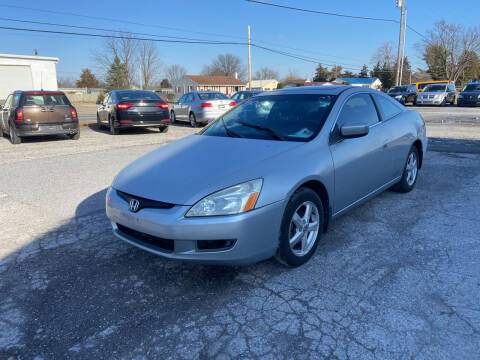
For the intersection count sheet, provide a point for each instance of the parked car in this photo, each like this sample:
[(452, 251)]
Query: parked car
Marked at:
[(36, 113), (279, 168), (404, 94), (240, 96), (420, 85), (470, 95), (200, 107), (437, 94), (122, 109)]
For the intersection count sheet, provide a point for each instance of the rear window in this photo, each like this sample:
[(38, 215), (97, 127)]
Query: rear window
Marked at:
[(45, 100), (212, 96), (136, 95)]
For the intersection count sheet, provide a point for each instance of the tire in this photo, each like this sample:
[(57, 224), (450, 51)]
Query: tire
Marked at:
[(99, 123), (443, 103), (306, 241), (14, 138), (163, 129), (192, 119), (113, 130), (406, 184), (75, 136), (173, 118), (1, 131)]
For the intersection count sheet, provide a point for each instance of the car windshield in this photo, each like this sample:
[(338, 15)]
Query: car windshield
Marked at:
[(212, 96), (297, 117), (435, 88), (136, 95), (396, 89), (472, 87)]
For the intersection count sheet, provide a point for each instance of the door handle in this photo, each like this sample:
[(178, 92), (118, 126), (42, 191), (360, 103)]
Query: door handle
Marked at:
[(44, 110)]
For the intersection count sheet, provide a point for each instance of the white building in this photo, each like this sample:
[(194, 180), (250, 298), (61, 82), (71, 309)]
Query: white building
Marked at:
[(20, 72), (225, 84), (265, 85)]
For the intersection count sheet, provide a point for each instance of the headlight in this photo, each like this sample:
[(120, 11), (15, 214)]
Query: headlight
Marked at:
[(460, 96), (478, 96), (398, 97), (233, 200)]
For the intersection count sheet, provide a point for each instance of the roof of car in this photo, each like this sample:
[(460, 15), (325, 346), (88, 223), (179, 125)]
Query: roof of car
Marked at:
[(327, 90)]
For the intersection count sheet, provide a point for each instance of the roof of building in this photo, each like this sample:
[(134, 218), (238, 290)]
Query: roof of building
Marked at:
[(261, 83), (368, 81), (28, 57), (295, 81), (215, 80)]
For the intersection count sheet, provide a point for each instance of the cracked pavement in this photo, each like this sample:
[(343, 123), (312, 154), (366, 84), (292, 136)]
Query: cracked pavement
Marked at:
[(397, 278)]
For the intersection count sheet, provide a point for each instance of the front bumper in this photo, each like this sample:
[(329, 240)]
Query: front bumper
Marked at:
[(464, 102), (38, 129), (254, 234), (429, 101)]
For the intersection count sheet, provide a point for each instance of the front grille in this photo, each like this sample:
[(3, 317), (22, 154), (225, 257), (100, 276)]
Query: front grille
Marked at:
[(145, 203), (431, 96), (148, 240)]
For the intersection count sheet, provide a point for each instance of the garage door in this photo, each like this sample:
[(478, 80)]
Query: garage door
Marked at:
[(14, 77)]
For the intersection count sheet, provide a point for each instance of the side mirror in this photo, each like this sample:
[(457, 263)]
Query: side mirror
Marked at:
[(354, 131)]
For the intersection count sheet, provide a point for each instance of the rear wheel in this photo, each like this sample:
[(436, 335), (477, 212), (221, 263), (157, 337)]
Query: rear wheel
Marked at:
[(193, 120), (410, 172), (75, 136), (113, 130), (301, 228), (14, 138), (173, 119), (163, 129)]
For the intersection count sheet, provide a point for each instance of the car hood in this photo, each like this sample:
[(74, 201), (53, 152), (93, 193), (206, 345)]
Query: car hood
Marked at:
[(188, 169), (396, 93), (469, 93)]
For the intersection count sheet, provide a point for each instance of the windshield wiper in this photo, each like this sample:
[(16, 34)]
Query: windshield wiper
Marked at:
[(264, 129), (229, 132)]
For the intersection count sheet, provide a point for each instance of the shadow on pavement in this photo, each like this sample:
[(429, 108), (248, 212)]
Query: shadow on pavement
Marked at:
[(454, 145)]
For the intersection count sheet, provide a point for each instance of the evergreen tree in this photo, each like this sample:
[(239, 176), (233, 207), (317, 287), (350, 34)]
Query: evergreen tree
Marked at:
[(165, 84), (364, 72), (322, 74), (117, 76), (88, 80)]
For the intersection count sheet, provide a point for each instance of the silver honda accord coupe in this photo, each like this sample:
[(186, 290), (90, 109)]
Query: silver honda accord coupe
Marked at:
[(268, 177)]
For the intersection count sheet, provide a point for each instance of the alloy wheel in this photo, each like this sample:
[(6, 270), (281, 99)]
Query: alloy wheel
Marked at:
[(304, 227), (411, 168)]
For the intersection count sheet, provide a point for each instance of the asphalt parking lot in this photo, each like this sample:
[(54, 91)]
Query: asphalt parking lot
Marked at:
[(397, 278)]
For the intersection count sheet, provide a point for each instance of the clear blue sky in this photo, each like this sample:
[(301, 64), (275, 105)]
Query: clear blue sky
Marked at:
[(348, 42)]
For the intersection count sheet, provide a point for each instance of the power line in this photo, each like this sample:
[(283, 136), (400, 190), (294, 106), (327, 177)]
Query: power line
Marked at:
[(332, 14), (321, 12), (123, 37), (117, 20)]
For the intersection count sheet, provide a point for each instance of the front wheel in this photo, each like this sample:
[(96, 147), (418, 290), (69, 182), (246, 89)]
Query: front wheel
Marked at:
[(301, 228), (410, 173), (193, 120), (14, 138)]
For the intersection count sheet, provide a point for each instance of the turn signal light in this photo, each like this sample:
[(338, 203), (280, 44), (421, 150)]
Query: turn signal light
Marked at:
[(19, 115), (124, 106), (252, 200), (206, 104)]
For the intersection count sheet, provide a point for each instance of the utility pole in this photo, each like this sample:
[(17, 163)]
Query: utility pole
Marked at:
[(400, 3), (403, 48), (249, 62)]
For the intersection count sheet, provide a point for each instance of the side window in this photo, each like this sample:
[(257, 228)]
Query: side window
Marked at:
[(387, 107), (359, 109), (235, 97), (16, 100), (182, 99), (191, 98)]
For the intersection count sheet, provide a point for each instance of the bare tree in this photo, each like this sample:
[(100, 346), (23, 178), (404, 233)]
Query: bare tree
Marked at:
[(149, 63), (291, 75), (226, 65), (266, 73), (385, 55), (448, 49), (421, 75), (125, 48), (175, 74), (66, 82)]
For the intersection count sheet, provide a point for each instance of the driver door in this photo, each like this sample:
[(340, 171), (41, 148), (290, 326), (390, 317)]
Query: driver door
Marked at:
[(360, 164)]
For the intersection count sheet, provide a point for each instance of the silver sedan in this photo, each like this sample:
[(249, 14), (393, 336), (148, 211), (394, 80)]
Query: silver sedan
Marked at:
[(280, 167), (200, 107)]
